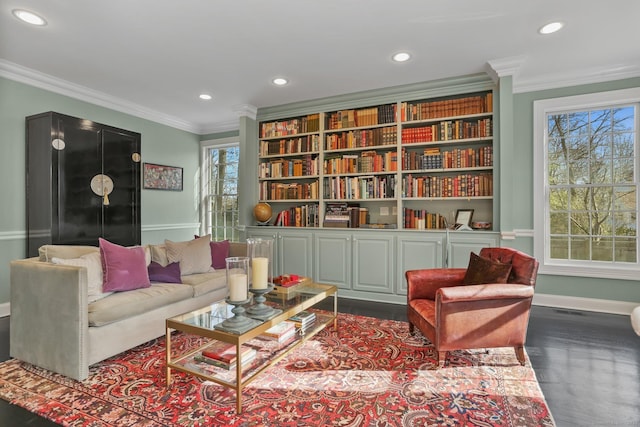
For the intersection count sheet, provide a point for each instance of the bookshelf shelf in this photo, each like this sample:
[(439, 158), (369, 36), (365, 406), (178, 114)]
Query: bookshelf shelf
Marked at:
[(427, 155)]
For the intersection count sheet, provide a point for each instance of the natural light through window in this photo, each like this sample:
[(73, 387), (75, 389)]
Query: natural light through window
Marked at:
[(590, 183), (220, 191)]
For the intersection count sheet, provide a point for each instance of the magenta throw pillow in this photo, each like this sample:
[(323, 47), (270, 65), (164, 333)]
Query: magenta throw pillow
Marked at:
[(219, 253), (168, 274), (123, 268)]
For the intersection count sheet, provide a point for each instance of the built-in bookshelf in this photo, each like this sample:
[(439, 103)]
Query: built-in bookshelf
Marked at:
[(408, 164)]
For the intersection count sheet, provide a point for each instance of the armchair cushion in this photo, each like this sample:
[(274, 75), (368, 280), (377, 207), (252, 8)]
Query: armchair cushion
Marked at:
[(484, 270)]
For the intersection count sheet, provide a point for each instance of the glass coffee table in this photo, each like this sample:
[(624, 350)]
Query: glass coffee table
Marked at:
[(267, 352)]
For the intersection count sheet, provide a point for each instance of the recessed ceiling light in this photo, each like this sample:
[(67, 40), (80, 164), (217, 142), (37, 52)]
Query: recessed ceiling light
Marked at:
[(29, 17), (205, 96), (401, 57), (279, 81), (551, 27)]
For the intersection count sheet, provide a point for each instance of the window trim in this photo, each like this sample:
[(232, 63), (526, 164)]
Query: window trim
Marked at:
[(541, 108), (227, 142)]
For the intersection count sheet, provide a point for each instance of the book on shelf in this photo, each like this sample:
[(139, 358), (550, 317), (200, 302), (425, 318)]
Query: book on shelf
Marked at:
[(282, 332), (303, 319), (225, 352), (209, 357)]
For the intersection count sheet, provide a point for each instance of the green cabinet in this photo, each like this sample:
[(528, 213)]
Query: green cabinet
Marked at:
[(373, 262), (292, 251), (417, 251), (462, 243), (333, 259)]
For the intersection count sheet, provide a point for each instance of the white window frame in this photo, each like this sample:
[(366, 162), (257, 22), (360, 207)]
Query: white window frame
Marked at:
[(541, 109), (220, 143)]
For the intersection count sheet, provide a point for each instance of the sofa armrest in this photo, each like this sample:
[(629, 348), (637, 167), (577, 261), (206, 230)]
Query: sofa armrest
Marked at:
[(484, 292), (48, 322), (423, 284)]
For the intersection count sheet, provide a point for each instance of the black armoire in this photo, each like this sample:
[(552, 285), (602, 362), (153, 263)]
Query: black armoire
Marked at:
[(83, 182)]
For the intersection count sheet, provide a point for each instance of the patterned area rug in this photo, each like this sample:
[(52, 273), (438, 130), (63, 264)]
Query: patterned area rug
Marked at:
[(369, 373)]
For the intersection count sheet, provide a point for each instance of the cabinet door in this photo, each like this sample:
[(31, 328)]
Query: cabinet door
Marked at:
[(417, 252), (333, 259), (77, 210), (460, 246), (295, 253), (121, 217), (374, 259)]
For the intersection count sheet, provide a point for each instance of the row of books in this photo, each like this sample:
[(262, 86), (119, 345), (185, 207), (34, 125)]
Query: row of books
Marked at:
[(298, 216), (422, 110), (420, 219), (308, 123), (448, 131), (367, 161), (345, 215), (463, 185), (303, 144), (307, 165), (361, 138), (291, 191), (360, 187), (432, 158), (361, 117)]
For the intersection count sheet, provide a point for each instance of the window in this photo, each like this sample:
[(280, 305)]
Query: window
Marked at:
[(220, 190), (586, 167)]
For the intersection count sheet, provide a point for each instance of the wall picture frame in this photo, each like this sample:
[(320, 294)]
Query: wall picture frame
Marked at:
[(161, 177)]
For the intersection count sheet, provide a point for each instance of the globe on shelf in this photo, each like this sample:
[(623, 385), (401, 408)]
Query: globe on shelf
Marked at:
[(262, 213)]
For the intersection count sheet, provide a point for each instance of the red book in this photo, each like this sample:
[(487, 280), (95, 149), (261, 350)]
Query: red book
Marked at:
[(222, 351)]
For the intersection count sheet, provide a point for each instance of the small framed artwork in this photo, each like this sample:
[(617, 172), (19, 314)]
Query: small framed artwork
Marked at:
[(463, 217), (161, 177)]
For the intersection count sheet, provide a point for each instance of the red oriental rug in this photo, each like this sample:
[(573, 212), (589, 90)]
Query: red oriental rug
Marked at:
[(369, 373)]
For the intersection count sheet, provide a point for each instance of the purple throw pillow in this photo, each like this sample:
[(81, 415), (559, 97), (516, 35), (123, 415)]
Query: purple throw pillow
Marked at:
[(219, 253), (123, 268), (168, 274)]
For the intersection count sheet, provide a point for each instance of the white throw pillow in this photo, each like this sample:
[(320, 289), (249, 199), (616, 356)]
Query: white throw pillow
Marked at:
[(93, 263), (194, 255)]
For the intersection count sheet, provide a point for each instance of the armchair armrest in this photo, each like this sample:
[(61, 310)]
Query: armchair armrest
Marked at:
[(423, 284), (484, 292), (49, 316)]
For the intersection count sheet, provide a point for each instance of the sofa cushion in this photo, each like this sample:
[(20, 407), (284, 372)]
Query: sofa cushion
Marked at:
[(122, 305), (206, 282), (93, 263), (167, 274), (483, 270), (159, 254), (194, 255), (48, 252), (124, 269)]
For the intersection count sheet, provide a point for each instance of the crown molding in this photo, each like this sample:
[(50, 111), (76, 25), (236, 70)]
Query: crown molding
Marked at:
[(47, 82), (590, 76), (502, 67), (246, 110)]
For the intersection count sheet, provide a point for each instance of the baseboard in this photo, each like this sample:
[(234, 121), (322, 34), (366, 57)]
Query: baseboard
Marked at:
[(5, 309), (585, 304)]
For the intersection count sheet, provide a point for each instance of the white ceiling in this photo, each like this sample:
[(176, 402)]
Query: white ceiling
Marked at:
[(153, 58)]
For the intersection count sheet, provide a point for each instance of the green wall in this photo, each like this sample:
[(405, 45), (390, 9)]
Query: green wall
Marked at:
[(520, 201), (165, 214)]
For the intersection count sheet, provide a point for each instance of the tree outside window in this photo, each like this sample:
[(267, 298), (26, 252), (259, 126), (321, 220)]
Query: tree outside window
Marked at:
[(221, 192)]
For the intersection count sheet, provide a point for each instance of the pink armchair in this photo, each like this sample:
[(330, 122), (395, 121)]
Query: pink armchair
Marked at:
[(455, 316)]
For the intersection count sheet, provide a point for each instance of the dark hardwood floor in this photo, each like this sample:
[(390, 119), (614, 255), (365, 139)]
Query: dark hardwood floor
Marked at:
[(588, 364)]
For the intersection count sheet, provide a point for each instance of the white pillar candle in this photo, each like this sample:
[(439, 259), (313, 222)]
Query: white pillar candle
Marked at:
[(238, 287), (260, 272)]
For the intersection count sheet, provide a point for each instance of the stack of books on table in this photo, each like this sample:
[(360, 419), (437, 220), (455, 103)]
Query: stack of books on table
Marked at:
[(283, 332), (223, 355), (304, 320)]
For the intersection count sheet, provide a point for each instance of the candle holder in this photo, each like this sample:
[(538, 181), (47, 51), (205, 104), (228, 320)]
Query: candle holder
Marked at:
[(260, 310), (260, 252), (238, 296)]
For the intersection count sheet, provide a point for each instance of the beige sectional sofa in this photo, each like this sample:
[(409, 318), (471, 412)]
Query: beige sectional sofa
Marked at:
[(54, 325)]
